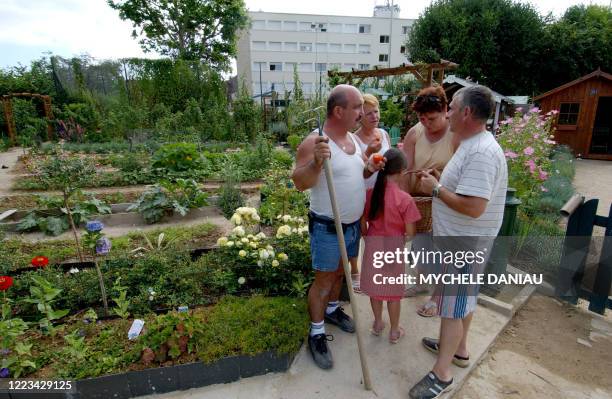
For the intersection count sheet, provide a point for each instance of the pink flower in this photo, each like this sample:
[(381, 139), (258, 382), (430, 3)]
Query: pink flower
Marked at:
[(550, 141), (534, 110), (528, 151), (531, 164), (554, 112), (544, 189), (543, 175), (510, 154), (536, 136)]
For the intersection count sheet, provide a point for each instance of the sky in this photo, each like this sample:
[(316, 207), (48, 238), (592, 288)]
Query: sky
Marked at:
[(28, 28)]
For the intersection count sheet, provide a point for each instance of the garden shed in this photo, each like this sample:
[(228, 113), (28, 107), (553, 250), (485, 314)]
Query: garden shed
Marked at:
[(585, 114)]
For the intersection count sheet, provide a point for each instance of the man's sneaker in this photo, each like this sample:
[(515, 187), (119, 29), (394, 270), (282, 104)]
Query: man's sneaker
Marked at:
[(319, 350), (341, 319), (432, 345), (429, 387)]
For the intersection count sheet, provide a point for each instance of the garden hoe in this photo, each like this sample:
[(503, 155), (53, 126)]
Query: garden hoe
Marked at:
[(345, 261)]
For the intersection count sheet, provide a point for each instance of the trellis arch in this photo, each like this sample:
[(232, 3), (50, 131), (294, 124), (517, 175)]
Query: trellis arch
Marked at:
[(8, 112)]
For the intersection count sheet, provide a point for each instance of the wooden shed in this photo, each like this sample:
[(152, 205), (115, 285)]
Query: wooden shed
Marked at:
[(584, 121)]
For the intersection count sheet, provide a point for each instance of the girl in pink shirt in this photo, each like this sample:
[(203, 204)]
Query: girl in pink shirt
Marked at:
[(388, 220)]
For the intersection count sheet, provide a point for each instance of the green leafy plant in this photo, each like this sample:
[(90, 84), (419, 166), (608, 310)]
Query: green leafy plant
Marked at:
[(166, 197), (76, 345), (121, 300), (43, 294), (178, 157)]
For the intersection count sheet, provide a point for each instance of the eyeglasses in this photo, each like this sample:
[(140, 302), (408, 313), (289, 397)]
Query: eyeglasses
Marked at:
[(430, 98)]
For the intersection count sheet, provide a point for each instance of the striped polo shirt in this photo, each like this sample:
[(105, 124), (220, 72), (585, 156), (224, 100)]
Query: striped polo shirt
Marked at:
[(477, 169)]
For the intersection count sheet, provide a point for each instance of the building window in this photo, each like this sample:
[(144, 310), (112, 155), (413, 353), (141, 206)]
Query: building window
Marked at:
[(568, 113), (335, 28), (350, 48), (335, 48), (405, 30), (259, 65), (290, 25), (350, 28), (305, 67), (364, 28), (258, 24), (290, 66), (321, 67), (322, 47), (384, 38), (259, 45), (383, 57), (276, 66), (348, 67), (306, 47), (364, 49), (403, 49), (274, 25), (364, 67), (290, 46), (319, 27), (305, 26), (274, 46)]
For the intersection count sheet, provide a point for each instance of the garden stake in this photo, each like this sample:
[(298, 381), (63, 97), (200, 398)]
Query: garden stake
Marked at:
[(345, 262)]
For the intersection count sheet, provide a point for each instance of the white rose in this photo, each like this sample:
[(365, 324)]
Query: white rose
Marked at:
[(261, 235), (245, 240), (241, 280), (286, 218), (222, 241), (283, 256), (242, 253), (275, 263), (236, 219), (253, 245), (239, 231), (230, 243), (259, 263), (263, 254), (300, 220)]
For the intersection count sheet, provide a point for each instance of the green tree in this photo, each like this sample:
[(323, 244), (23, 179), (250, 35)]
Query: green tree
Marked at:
[(497, 42), (579, 43), (195, 30)]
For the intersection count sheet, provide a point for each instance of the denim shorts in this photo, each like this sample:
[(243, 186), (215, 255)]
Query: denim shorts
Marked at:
[(324, 247)]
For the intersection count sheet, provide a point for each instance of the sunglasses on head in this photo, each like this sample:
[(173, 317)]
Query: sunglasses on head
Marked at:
[(430, 98)]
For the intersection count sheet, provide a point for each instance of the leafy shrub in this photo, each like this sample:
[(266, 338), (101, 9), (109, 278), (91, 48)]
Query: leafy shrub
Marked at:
[(280, 197), (294, 141), (230, 196), (179, 197), (178, 157)]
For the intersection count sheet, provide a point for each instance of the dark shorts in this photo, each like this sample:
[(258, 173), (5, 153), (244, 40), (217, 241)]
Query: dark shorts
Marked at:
[(324, 247)]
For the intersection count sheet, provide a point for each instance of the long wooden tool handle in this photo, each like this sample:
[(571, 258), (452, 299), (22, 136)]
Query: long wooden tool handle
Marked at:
[(347, 274)]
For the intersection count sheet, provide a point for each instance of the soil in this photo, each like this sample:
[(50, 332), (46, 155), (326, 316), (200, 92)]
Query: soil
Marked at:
[(539, 355)]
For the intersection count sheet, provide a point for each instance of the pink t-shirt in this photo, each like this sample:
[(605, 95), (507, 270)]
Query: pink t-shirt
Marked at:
[(400, 209)]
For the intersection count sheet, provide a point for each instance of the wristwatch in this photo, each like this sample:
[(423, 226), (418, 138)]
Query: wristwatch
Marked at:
[(436, 191)]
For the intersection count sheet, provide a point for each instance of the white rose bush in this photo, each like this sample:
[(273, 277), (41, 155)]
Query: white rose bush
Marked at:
[(276, 263)]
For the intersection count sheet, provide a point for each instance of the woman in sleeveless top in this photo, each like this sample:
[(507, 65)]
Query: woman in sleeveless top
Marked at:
[(370, 138), (428, 145)]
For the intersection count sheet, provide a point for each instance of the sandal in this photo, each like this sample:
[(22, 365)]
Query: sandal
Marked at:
[(428, 309), (393, 339), (431, 344), (376, 332)]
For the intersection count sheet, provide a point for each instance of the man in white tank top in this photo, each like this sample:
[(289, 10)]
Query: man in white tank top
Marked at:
[(344, 110)]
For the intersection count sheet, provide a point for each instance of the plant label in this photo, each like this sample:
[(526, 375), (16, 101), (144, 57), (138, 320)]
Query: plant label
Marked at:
[(135, 329)]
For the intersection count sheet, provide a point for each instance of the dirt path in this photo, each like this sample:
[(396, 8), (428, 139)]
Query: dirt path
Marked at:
[(7, 177), (594, 180), (539, 356)]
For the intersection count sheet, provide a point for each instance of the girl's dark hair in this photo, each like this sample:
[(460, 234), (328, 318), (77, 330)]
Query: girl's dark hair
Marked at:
[(396, 162)]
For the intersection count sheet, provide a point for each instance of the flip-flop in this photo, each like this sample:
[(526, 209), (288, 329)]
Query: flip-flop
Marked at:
[(424, 310), (377, 332), (395, 340)]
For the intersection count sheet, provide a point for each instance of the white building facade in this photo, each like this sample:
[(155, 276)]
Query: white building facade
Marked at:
[(276, 43)]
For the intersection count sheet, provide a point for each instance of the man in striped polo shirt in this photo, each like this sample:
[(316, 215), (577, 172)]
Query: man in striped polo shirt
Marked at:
[(467, 212)]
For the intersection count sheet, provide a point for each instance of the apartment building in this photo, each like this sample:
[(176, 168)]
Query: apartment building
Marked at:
[(276, 43)]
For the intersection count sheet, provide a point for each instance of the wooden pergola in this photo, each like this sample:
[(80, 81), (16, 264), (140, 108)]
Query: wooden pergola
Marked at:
[(10, 120), (426, 74)]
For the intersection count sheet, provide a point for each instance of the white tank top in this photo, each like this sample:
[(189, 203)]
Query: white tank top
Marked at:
[(385, 145), (347, 172)]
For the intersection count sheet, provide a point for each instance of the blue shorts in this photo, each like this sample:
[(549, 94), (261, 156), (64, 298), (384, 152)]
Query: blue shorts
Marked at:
[(324, 248)]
